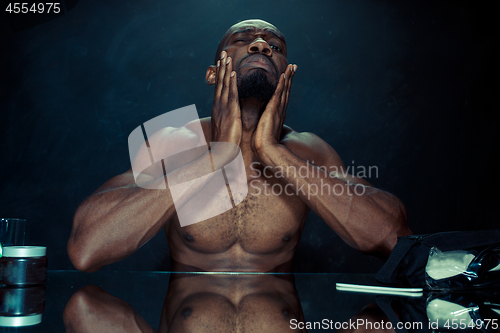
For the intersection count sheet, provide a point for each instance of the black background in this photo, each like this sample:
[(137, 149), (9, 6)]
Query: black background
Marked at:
[(406, 86)]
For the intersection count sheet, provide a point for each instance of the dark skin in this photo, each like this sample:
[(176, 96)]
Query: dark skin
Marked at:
[(91, 309), (262, 232), (231, 303), (210, 303), (195, 303)]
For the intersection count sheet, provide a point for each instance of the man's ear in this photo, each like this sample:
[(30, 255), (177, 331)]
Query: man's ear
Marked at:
[(210, 76)]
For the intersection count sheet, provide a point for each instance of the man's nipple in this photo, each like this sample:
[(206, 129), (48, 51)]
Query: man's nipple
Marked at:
[(188, 237), (186, 312)]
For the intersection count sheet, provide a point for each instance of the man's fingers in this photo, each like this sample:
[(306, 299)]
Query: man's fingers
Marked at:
[(284, 95), (221, 67), (294, 69), (276, 99), (288, 74), (233, 92), (226, 80), (283, 87)]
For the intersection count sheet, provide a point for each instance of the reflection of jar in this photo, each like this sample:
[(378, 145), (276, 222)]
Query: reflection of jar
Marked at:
[(21, 306), (23, 265)]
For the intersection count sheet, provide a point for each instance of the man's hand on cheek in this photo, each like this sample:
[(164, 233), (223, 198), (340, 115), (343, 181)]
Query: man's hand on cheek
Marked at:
[(268, 132), (226, 114)]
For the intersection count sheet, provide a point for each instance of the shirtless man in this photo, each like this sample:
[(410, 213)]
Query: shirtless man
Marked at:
[(252, 81)]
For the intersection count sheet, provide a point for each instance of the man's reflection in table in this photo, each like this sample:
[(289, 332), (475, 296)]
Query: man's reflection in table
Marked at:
[(196, 303), (242, 302)]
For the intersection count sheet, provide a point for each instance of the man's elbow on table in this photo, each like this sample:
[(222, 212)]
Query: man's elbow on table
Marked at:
[(81, 257), (383, 239), (79, 248)]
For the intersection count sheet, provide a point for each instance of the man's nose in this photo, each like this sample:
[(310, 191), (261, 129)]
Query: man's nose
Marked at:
[(260, 46)]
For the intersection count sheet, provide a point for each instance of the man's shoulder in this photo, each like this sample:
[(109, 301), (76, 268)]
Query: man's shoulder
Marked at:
[(190, 132), (302, 140), (309, 147)]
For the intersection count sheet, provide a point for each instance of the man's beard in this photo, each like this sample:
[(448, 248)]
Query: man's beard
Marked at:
[(256, 85)]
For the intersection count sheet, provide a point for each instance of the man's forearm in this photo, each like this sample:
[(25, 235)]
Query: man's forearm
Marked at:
[(366, 218), (111, 225)]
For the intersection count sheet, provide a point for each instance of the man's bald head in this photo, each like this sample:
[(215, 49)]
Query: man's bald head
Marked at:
[(257, 50), (248, 24)]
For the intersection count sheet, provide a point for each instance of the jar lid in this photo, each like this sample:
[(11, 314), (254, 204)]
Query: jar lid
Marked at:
[(24, 251), (19, 321)]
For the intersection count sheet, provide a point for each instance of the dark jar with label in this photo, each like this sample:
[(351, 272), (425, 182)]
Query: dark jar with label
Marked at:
[(23, 265)]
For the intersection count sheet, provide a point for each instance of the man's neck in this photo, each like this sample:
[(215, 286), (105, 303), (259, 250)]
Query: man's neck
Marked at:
[(251, 110)]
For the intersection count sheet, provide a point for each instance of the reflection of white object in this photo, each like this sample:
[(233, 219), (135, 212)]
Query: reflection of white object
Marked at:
[(445, 264), (444, 312), (19, 321), (414, 292)]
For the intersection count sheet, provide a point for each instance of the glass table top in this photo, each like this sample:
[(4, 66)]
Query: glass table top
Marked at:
[(109, 301)]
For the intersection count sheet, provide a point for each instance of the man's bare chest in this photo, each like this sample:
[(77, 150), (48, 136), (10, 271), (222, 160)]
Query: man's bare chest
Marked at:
[(266, 220)]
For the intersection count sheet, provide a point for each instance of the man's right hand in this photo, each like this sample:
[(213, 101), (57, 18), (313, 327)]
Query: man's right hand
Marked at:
[(226, 113)]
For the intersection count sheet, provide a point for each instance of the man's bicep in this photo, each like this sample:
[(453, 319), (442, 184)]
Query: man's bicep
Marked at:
[(124, 180), (165, 151), (141, 172)]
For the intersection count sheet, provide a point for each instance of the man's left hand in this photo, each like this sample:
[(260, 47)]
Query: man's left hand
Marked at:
[(268, 132)]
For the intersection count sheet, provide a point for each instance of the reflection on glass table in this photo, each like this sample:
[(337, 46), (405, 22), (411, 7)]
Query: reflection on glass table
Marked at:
[(204, 302)]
